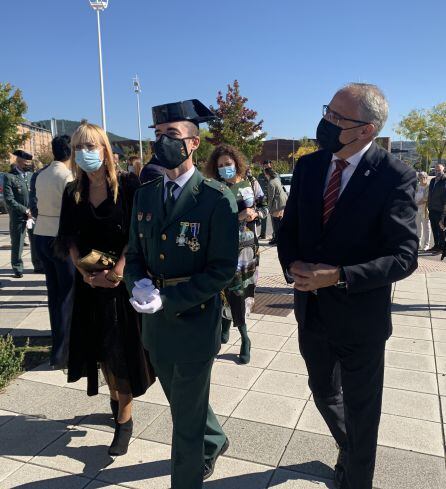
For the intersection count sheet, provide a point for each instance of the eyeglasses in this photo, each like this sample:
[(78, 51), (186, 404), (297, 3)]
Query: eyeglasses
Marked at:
[(87, 146), (334, 117)]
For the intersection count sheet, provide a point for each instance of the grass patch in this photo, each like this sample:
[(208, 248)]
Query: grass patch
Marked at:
[(11, 360)]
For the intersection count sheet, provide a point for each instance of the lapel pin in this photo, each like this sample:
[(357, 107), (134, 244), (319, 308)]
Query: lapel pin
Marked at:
[(140, 215), (367, 173), (148, 216)]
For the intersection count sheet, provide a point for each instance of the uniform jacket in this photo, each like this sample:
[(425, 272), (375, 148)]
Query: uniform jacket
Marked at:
[(187, 329), (16, 193), (372, 234)]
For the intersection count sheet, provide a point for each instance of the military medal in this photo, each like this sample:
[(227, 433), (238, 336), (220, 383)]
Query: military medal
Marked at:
[(181, 239), (140, 216), (193, 243), (148, 216)]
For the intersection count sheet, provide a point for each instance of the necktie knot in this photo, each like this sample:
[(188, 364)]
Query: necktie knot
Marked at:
[(341, 164), (171, 187)]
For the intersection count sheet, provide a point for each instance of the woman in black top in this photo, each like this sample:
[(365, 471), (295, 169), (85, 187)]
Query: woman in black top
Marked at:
[(95, 215)]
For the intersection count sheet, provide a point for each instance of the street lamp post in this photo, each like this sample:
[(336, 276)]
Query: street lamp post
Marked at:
[(99, 6), (137, 90)]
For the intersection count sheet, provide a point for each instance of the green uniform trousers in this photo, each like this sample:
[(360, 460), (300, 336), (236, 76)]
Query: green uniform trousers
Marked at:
[(197, 434), (17, 230)]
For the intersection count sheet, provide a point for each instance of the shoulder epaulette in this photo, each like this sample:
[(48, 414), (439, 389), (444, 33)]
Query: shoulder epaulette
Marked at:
[(215, 184)]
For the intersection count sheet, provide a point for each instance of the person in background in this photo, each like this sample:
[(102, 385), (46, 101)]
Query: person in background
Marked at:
[(264, 186), (227, 164), (151, 171), (16, 187), (423, 225), (277, 199), (49, 186), (95, 221), (436, 204), (134, 165)]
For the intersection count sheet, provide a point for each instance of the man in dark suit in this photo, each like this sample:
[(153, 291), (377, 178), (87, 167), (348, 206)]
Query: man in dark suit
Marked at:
[(436, 205), (348, 233)]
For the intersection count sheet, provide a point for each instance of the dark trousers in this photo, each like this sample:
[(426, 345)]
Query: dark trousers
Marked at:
[(17, 230), (263, 224), (438, 234), (347, 385), (197, 434), (276, 225), (59, 276)]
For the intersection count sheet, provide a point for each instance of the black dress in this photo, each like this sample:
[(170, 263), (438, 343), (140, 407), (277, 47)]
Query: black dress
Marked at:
[(104, 327)]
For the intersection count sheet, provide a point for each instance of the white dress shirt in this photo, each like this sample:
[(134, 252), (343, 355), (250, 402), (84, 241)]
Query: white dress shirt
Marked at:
[(348, 172), (180, 181)]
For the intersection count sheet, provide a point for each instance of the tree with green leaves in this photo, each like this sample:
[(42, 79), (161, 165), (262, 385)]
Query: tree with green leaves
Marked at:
[(236, 124), (12, 108), (204, 152), (305, 147), (427, 127)]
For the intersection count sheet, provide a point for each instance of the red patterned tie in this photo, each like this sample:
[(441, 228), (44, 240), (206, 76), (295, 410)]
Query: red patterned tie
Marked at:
[(334, 186)]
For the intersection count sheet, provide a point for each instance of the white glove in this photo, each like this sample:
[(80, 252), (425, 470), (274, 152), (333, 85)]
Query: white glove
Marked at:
[(142, 292), (154, 305)]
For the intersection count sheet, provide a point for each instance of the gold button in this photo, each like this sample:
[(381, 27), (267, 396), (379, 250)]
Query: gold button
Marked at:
[(141, 235), (163, 237), (162, 256), (202, 306)]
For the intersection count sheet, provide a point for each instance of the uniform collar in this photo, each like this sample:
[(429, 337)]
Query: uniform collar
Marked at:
[(354, 160), (182, 179)]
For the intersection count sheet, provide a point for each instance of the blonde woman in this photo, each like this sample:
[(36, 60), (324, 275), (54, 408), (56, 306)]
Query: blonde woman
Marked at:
[(96, 209)]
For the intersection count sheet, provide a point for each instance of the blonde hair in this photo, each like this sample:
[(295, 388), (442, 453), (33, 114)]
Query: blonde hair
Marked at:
[(93, 134)]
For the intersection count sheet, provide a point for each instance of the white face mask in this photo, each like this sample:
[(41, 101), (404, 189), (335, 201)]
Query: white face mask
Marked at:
[(131, 169)]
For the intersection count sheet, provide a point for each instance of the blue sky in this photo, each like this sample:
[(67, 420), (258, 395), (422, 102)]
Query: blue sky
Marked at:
[(289, 56)]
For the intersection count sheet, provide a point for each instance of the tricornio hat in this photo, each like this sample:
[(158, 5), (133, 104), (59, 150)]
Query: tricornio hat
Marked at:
[(22, 154), (188, 110)]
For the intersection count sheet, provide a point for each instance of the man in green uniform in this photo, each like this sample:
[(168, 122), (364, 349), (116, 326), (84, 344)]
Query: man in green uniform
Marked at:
[(16, 188), (182, 252)]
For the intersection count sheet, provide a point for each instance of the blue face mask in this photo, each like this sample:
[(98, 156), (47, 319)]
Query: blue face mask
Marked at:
[(88, 161), (227, 172)]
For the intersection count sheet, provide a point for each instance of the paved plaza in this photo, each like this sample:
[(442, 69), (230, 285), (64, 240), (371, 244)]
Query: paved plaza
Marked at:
[(52, 436)]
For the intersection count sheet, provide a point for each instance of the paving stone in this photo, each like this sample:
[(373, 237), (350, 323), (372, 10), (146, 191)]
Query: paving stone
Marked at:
[(400, 469), (275, 328), (413, 381), (6, 416), (11, 320), (259, 358), (442, 384), (154, 394), (265, 341), (291, 346), (438, 323), (287, 479), (410, 361), (310, 453), (256, 442), (35, 477), (440, 349), (25, 436), (143, 414), (438, 313), (411, 404), (419, 322), (224, 399), (311, 420), (441, 365), (279, 319), (47, 375), (439, 335), (411, 434), (283, 383), (410, 309), (289, 362), (80, 451), (145, 466), (70, 408), (410, 346), (238, 474), (7, 467), (411, 332), (102, 485), (270, 409), (443, 407), (239, 376)]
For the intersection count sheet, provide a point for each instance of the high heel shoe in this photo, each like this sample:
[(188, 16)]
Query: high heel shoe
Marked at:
[(121, 440), (245, 347)]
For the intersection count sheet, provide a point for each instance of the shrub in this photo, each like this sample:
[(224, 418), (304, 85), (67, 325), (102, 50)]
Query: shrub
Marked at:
[(11, 360)]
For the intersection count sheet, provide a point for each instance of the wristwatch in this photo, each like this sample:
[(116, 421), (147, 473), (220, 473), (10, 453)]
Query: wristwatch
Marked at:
[(342, 282)]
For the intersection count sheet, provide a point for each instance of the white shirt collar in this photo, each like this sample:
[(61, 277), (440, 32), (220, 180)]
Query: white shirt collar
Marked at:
[(182, 179), (356, 158)]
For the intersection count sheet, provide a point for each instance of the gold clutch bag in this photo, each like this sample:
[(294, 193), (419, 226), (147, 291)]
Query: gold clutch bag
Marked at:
[(96, 261)]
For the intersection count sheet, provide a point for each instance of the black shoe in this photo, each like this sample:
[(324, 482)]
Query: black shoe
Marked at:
[(18, 274), (121, 440), (245, 351), (115, 409), (272, 242), (209, 465), (262, 236), (339, 469)]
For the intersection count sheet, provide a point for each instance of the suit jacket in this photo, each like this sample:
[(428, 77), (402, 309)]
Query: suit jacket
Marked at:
[(436, 200), (16, 193), (187, 329), (372, 234)]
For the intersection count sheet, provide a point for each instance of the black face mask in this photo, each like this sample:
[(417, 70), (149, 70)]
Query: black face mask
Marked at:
[(327, 135), (171, 152)]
